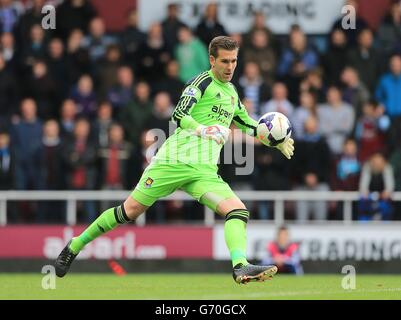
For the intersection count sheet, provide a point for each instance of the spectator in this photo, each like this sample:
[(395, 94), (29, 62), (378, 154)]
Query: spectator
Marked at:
[(334, 60), (8, 50), (371, 130), (171, 83), (123, 92), (106, 70), (259, 24), (58, 68), (33, 49), (6, 162), (77, 57), (387, 93), (84, 96), (389, 31), (67, 117), (102, 123), (365, 59), (209, 26), (10, 12), (171, 25), (97, 41), (284, 253), (191, 55), (132, 39), (42, 88), (29, 18), (279, 101), (79, 156), (376, 186), (8, 94), (336, 120), (297, 59), (153, 55), (135, 114), (314, 83), (348, 168), (161, 113), (262, 53), (312, 170), (355, 92), (26, 140), (114, 161), (388, 87), (51, 173), (252, 86), (74, 14), (307, 108)]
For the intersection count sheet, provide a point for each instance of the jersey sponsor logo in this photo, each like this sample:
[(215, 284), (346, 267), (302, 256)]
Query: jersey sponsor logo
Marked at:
[(190, 92), (221, 112), (148, 182)]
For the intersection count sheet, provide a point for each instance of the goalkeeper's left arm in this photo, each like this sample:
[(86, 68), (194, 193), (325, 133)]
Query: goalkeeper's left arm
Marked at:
[(248, 125)]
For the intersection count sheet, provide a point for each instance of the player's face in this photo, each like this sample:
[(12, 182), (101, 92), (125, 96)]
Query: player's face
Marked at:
[(224, 65)]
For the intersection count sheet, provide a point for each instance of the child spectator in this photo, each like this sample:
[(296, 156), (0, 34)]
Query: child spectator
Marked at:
[(284, 253)]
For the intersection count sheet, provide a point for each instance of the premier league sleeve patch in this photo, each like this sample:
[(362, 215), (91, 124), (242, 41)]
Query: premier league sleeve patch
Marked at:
[(191, 92)]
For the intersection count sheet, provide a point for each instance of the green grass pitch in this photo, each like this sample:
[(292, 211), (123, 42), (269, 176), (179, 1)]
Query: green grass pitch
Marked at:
[(197, 287)]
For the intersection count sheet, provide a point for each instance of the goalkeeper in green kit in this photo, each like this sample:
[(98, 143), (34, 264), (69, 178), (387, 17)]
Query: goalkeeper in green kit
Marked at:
[(188, 161)]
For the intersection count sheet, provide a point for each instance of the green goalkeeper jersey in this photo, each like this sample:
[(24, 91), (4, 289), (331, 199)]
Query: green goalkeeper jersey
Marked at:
[(205, 100)]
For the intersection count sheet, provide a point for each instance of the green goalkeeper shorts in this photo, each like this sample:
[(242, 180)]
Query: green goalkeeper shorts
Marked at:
[(160, 180)]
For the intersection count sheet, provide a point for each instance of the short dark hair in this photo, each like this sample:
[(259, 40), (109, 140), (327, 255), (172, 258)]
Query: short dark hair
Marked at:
[(222, 42)]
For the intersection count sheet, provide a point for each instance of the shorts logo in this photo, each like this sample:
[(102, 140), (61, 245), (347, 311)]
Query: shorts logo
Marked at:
[(190, 91), (148, 182)]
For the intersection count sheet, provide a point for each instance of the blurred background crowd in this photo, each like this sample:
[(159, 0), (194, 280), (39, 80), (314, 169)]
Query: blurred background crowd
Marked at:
[(77, 101)]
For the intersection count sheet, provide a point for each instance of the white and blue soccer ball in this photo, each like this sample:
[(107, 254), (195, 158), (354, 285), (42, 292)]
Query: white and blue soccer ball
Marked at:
[(273, 128)]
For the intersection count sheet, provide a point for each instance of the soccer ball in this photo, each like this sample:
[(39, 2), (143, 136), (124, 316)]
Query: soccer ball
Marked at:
[(273, 128)]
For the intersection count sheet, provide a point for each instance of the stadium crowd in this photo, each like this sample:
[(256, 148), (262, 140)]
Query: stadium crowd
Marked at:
[(76, 103)]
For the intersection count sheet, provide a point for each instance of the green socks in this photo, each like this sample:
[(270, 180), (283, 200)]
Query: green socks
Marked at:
[(107, 221), (235, 235), (234, 231)]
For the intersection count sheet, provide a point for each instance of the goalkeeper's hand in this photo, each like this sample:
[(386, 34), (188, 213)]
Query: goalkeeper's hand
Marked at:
[(287, 148), (217, 133)]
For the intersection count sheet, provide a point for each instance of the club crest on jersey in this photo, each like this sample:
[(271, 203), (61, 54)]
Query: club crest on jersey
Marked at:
[(148, 182), (232, 101), (190, 92)]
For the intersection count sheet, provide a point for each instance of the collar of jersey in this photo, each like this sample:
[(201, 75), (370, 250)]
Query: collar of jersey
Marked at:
[(217, 80)]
